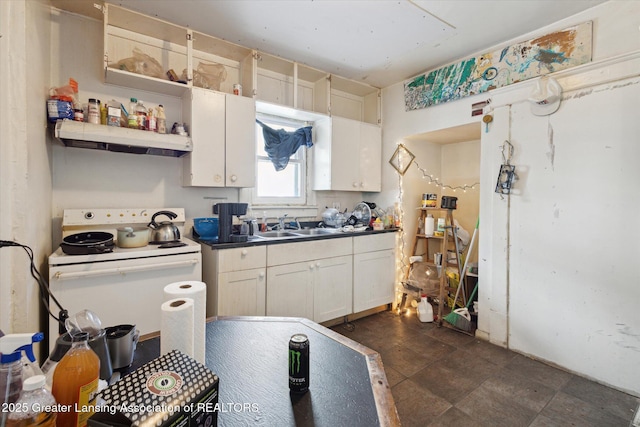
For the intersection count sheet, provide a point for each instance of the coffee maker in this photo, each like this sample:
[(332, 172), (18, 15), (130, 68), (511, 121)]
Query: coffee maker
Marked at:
[(226, 212)]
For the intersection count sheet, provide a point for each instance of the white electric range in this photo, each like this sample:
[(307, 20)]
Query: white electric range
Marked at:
[(124, 286)]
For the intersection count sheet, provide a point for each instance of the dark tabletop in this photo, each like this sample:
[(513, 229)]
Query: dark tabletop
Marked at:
[(250, 355)]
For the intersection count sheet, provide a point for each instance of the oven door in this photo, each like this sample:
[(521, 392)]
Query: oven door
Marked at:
[(128, 291)]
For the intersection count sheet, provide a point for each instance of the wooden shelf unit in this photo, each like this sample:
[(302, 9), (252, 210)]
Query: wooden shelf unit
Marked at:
[(445, 242)]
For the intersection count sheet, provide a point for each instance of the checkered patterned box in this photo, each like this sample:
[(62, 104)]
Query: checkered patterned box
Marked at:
[(172, 390)]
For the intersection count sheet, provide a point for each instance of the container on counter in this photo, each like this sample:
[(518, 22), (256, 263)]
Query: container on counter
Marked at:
[(75, 381), (378, 224), (37, 405), (299, 363)]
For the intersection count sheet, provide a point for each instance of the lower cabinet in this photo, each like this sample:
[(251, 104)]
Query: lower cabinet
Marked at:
[(242, 293), (319, 290), (236, 280), (290, 290), (319, 280), (310, 279), (373, 271), (332, 291)]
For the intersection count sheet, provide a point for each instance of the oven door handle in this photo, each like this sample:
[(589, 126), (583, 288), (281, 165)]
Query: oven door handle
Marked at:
[(59, 275)]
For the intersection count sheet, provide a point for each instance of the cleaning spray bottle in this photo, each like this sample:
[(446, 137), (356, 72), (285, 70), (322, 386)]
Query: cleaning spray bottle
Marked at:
[(12, 372)]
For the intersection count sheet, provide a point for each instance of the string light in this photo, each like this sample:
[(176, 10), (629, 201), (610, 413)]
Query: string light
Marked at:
[(436, 181)]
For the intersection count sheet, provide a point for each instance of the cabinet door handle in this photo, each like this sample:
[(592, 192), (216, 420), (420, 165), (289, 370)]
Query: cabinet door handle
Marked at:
[(234, 178), (217, 178), (310, 266), (317, 264), (261, 275), (355, 185), (244, 252)]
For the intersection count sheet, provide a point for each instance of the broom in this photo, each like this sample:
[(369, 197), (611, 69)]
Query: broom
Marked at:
[(460, 317), (455, 316)]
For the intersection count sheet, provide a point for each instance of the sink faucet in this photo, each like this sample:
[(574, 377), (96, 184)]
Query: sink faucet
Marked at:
[(281, 222), (298, 227)]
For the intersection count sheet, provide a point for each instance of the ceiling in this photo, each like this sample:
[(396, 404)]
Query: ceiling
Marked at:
[(380, 42)]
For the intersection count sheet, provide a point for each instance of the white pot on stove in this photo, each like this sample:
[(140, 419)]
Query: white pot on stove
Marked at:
[(129, 237)]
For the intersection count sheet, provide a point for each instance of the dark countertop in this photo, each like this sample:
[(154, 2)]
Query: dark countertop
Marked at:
[(348, 385), (276, 241)]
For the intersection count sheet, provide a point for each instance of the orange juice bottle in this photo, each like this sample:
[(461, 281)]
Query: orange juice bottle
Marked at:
[(75, 383)]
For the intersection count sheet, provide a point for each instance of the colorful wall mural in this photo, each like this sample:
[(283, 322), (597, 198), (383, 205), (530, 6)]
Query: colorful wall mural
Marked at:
[(521, 61)]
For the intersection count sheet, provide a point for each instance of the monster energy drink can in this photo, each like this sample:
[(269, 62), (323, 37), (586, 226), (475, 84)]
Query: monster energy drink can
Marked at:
[(299, 363)]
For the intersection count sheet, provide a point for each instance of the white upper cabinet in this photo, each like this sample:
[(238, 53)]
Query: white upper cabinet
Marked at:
[(240, 141), (348, 156), (222, 130)]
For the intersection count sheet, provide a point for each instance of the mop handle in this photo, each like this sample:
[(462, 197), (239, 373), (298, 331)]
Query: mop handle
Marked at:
[(466, 261)]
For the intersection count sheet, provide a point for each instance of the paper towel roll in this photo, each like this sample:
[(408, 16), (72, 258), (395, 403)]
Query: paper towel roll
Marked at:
[(197, 291), (176, 328)]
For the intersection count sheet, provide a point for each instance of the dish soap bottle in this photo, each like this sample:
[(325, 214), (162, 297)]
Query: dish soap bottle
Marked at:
[(75, 381)]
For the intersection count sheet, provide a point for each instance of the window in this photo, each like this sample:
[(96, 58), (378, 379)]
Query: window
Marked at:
[(287, 186)]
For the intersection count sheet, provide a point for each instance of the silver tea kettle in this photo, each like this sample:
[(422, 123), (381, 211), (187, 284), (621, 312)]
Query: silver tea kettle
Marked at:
[(164, 232)]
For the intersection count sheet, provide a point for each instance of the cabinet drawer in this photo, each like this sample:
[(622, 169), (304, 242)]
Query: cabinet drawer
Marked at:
[(374, 242), (242, 258), (307, 251)]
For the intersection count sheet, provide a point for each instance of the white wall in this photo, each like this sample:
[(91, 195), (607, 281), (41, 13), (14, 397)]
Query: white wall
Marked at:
[(555, 279), (24, 161)]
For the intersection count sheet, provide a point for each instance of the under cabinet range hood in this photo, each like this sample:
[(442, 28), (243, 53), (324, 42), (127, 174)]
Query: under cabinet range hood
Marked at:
[(122, 140)]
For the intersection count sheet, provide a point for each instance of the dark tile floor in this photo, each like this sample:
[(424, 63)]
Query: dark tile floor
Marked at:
[(441, 377)]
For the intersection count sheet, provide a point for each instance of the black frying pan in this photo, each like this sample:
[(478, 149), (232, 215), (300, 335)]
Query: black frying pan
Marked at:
[(89, 243)]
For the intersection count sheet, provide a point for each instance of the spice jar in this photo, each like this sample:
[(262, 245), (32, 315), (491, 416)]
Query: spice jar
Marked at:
[(94, 111)]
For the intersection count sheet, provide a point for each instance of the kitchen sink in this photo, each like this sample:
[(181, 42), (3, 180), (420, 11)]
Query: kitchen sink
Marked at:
[(314, 231), (276, 234)]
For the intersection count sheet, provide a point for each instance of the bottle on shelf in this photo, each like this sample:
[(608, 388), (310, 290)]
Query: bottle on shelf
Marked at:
[(103, 113), (75, 381), (94, 111), (162, 120), (141, 113), (36, 404), (429, 225), (132, 119), (152, 121)]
